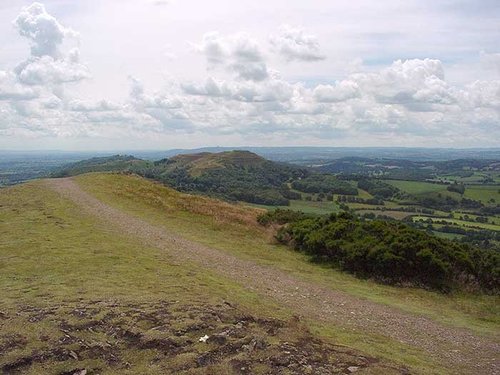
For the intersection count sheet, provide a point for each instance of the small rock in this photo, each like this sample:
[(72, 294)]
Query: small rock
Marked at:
[(260, 344), (203, 338), (352, 369), (73, 355), (280, 361)]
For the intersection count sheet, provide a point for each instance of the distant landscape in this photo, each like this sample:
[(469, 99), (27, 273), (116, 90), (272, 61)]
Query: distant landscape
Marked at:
[(249, 188), (455, 199), (133, 265)]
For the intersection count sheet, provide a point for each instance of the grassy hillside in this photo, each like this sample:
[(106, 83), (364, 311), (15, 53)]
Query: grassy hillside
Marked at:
[(75, 295), (153, 202), (230, 175), (122, 304), (114, 163)]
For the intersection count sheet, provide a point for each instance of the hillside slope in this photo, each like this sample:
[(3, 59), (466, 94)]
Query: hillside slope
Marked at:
[(79, 295), (115, 163), (431, 333), (230, 175)]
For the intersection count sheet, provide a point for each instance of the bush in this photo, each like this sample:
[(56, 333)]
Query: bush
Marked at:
[(324, 183), (393, 252), (280, 216), (457, 188), (378, 188)]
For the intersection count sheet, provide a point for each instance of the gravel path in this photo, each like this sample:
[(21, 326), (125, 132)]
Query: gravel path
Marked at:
[(460, 350)]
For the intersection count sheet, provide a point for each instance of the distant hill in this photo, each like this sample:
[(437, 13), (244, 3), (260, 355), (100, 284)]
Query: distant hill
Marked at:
[(113, 163), (231, 175)]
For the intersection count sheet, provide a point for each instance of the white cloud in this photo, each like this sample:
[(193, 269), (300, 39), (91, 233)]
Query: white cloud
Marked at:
[(292, 43), (237, 53), (47, 64), (43, 30), (341, 91), (242, 97), (10, 89), (45, 70)]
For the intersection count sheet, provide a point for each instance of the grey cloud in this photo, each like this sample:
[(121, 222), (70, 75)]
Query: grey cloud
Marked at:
[(294, 44), (13, 91), (235, 53)]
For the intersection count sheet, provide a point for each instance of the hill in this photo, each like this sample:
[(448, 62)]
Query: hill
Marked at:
[(112, 273), (231, 175), (115, 163)]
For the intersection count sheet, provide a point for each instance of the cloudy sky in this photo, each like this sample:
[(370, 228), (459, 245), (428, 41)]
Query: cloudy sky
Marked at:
[(158, 74)]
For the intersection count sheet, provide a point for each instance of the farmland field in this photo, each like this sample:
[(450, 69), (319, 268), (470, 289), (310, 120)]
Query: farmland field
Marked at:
[(416, 187), (483, 193), (399, 215), (309, 207), (463, 223)]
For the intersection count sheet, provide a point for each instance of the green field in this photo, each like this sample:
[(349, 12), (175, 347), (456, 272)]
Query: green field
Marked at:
[(398, 215), (463, 223), (63, 273), (310, 207), (416, 187), (364, 194), (484, 193)]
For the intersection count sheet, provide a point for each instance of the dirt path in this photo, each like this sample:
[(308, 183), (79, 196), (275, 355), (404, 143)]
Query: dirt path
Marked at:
[(460, 350)]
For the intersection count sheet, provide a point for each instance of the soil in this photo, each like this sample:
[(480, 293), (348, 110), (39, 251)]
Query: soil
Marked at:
[(169, 332)]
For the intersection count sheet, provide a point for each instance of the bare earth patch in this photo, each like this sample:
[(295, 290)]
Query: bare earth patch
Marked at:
[(167, 335)]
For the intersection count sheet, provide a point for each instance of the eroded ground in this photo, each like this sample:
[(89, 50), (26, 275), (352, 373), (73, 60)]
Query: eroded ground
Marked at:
[(101, 337)]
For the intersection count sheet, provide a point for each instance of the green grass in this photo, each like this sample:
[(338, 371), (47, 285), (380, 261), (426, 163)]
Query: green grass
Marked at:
[(483, 193), (463, 223), (477, 312), (53, 255), (53, 258), (364, 194), (50, 249), (416, 187), (310, 207), (448, 236), (398, 215)]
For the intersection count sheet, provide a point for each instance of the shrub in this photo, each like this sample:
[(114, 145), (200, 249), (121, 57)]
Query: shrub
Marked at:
[(392, 252)]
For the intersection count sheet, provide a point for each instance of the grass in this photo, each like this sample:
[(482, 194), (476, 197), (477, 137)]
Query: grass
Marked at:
[(477, 312), (310, 207), (483, 193), (54, 257), (448, 236), (416, 187), (462, 223), (364, 194), (54, 261), (398, 215)]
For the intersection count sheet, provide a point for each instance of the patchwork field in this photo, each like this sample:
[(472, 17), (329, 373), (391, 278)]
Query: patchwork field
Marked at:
[(416, 187)]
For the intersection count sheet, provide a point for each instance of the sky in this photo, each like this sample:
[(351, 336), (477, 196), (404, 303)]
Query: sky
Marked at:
[(161, 74)]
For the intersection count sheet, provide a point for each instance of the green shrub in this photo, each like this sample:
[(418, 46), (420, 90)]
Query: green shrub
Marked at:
[(393, 252)]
